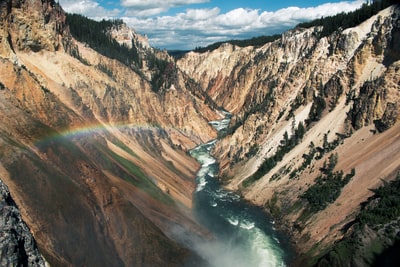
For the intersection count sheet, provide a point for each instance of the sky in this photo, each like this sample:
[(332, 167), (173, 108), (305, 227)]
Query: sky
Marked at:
[(186, 24)]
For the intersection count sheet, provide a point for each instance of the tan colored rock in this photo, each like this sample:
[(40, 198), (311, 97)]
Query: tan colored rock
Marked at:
[(272, 88)]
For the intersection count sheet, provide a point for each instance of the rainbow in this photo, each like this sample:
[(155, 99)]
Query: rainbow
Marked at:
[(90, 130), (99, 128)]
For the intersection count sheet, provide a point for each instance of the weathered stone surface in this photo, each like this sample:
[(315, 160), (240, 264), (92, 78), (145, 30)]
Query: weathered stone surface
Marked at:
[(113, 146), (17, 245), (109, 196), (342, 84)]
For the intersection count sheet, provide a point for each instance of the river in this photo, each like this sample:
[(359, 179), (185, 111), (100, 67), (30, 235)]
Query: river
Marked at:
[(244, 235)]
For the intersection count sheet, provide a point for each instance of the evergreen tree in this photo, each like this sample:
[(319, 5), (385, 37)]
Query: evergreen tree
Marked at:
[(95, 34), (346, 20)]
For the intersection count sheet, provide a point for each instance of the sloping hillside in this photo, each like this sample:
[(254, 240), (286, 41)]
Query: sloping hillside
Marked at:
[(93, 155), (315, 122)]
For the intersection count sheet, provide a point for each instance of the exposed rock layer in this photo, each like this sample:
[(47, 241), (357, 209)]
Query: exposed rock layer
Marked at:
[(95, 157), (77, 143), (343, 85)]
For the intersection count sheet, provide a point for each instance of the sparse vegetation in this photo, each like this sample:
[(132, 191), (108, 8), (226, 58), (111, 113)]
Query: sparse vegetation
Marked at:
[(383, 206), (287, 144), (316, 110), (106, 70), (297, 102), (45, 89), (308, 158), (164, 72), (273, 207), (260, 107), (252, 151), (255, 41), (380, 213), (75, 53)]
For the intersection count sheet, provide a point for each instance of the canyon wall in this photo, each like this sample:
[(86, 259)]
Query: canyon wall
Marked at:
[(94, 150), (94, 157), (300, 102)]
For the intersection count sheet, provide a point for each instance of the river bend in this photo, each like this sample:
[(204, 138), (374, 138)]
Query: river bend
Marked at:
[(244, 234)]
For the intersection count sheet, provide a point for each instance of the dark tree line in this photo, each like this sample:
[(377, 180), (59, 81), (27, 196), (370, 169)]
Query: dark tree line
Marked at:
[(347, 20), (94, 34), (383, 206)]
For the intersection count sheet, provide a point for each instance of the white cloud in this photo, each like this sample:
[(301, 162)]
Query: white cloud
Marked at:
[(148, 12), (238, 17), (201, 14), (146, 8), (200, 27), (89, 8), (156, 3), (292, 15)]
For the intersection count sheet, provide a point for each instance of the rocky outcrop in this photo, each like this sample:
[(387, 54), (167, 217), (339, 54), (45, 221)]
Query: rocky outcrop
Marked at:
[(127, 37), (373, 105), (343, 88), (17, 245), (44, 28)]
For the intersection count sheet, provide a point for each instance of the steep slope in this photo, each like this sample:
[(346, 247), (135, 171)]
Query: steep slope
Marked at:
[(315, 122), (93, 156)]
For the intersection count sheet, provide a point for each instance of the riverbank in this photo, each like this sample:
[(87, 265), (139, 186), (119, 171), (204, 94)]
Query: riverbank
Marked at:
[(244, 234)]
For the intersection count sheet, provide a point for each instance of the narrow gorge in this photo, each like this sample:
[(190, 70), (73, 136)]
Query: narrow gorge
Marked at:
[(118, 154), (244, 234), (305, 141)]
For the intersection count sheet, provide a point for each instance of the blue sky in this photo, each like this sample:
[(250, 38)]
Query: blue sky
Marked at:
[(270, 5), (186, 24)]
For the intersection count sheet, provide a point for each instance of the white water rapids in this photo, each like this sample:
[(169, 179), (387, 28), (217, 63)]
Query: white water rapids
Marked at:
[(245, 236)]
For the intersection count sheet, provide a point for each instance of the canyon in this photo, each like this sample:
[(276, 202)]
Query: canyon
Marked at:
[(272, 89), (95, 151)]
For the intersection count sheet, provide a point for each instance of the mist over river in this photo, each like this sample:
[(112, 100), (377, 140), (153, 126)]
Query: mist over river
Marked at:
[(244, 234)]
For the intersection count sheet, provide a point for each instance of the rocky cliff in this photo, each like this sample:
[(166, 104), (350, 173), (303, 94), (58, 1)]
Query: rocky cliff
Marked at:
[(17, 246), (299, 103), (93, 153)]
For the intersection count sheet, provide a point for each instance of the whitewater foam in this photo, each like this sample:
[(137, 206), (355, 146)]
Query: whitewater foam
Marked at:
[(233, 221), (241, 241), (247, 225), (265, 249)]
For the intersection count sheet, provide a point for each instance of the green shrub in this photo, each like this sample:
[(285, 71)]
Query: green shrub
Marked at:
[(287, 144), (327, 186)]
